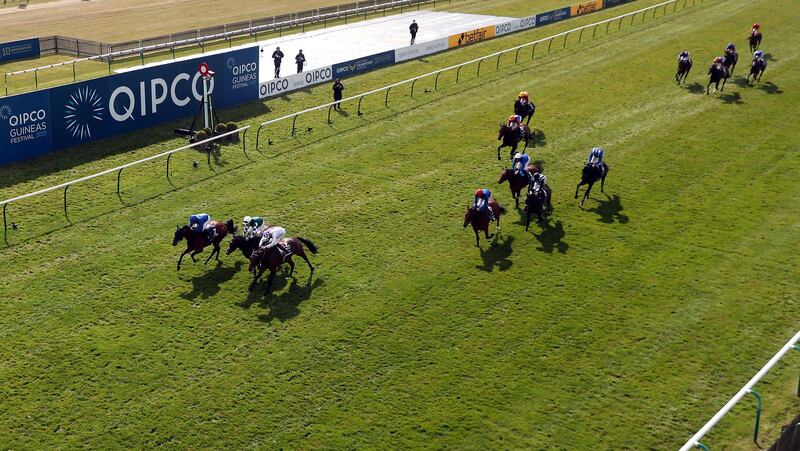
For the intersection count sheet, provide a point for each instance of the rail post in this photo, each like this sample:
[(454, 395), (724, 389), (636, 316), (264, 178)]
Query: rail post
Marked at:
[(632, 16), (244, 143), (329, 114), (644, 14), (608, 24), (533, 52), (5, 227), (675, 6), (436, 81), (654, 12), (359, 105), (173, 50), (119, 175), (109, 65), (497, 66), (65, 201), (294, 121), (5, 81), (566, 36), (413, 82), (168, 158), (74, 77), (758, 416), (619, 25), (141, 55), (258, 133), (516, 56), (479, 69), (684, 4), (701, 446), (36, 78), (386, 100), (457, 72), (580, 36), (549, 45)]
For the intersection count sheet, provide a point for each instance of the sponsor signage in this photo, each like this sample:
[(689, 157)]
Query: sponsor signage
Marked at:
[(471, 37), (586, 8), (363, 64), (515, 25), (15, 50), (552, 16), (610, 3), (294, 82), (83, 112), (421, 49)]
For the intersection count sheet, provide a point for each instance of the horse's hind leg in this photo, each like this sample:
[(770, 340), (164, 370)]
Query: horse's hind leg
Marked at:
[(477, 238), (255, 279), (498, 152), (214, 251), (577, 188), (602, 183), (269, 281), (586, 194), (195, 253), (291, 265)]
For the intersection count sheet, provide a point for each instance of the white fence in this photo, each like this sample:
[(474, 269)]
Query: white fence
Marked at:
[(694, 442)]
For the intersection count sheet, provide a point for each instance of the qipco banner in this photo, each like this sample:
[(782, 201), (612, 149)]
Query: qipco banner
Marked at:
[(83, 112), (294, 82)]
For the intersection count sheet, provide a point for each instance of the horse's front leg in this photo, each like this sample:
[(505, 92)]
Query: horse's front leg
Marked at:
[(291, 266), (498, 152), (602, 183), (577, 188), (488, 235), (181, 258), (527, 219), (477, 238), (213, 251), (195, 253), (269, 281), (586, 194), (257, 276)]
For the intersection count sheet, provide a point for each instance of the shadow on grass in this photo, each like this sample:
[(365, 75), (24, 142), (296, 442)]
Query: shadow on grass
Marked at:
[(740, 81), (208, 284), (552, 238), (610, 210), (732, 98), (497, 255), (539, 139), (695, 88), (284, 306), (770, 88)]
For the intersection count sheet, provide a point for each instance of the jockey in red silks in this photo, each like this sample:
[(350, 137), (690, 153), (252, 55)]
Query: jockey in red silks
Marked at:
[(482, 197)]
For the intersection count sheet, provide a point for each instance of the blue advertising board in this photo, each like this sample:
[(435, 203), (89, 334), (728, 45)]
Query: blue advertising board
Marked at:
[(552, 16), (83, 112), (610, 3), (16, 50), (365, 64)]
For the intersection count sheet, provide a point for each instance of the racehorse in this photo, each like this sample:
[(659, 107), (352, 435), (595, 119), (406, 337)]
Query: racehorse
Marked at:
[(591, 173), (684, 67), (512, 138), (272, 259), (517, 182), (717, 74), (757, 69), (480, 221), (196, 241), (729, 61), (755, 41), (538, 202), (528, 113), (246, 245)]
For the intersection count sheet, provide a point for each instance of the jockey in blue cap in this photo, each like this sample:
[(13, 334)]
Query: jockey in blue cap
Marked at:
[(519, 164), (684, 56), (201, 222), (758, 55), (482, 197), (596, 158)]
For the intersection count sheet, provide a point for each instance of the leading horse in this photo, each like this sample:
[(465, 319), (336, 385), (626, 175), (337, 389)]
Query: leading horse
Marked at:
[(196, 241), (272, 259), (480, 220), (512, 138), (757, 69), (591, 174), (754, 40), (516, 182), (684, 67)]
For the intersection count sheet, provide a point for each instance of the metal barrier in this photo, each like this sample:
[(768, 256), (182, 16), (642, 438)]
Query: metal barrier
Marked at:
[(65, 186), (437, 73), (694, 442), (251, 31)]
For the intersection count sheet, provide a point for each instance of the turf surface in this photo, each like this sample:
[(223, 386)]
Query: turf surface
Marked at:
[(626, 324)]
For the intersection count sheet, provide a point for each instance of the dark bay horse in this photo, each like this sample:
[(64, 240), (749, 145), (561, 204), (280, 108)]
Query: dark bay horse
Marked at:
[(729, 61), (755, 41), (757, 69), (246, 245), (538, 202), (526, 112), (512, 138), (480, 221), (716, 74), (272, 259), (591, 174), (197, 241), (517, 182), (684, 67)]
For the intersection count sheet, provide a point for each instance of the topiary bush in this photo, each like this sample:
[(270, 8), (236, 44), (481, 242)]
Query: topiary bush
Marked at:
[(231, 127)]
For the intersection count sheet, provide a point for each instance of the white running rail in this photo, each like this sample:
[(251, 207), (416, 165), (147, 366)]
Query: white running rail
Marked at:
[(694, 442)]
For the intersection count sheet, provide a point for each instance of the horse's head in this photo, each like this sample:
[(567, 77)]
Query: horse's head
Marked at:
[(237, 242), (468, 216), (533, 169), (255, 257), (505, 175), (180, 233), (502, 131)]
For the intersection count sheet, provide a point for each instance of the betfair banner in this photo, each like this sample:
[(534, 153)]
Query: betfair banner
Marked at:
[(471, 37)]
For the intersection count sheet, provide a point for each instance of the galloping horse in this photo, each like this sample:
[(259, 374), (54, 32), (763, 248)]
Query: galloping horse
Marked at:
[(512, 138), (729, 61), (517, 182), (591, 173), (480, 221), (684, 67), (273, 258), (717, 74), (755, 41), (538, 202), (197, 241), (757, 69), (528, 113)]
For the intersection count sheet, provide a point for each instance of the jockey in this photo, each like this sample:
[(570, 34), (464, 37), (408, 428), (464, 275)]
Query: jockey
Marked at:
[(730, 49), (520, 163), (201, 222), (515, 124), (758, 56), (756, 30), (523, 105), (684, 56), (538, 182), (596, 158), (482, 197), (251, 225), (272, 237)]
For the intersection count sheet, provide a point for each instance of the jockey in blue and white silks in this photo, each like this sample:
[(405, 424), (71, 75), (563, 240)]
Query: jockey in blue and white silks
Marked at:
[(684, 56), (201, 222), (482, 197), (520, 163), (596, 158)]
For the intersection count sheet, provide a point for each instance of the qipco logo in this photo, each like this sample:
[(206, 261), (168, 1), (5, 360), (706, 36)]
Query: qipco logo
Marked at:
[(125, 101), (27, 117), (273, 87), (319, 75)]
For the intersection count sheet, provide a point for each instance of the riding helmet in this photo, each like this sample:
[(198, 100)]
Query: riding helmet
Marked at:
[(718, 59), (730, 46), (512, 118), (523, 94), (756, 25), (479, 193)]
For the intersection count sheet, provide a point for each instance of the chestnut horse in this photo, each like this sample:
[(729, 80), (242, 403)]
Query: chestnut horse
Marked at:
[(197, 241), (517, 182), (273, 258), (480, 221)]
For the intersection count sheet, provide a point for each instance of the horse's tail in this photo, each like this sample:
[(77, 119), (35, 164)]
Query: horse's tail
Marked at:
[(311, 246), (229, 225)]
